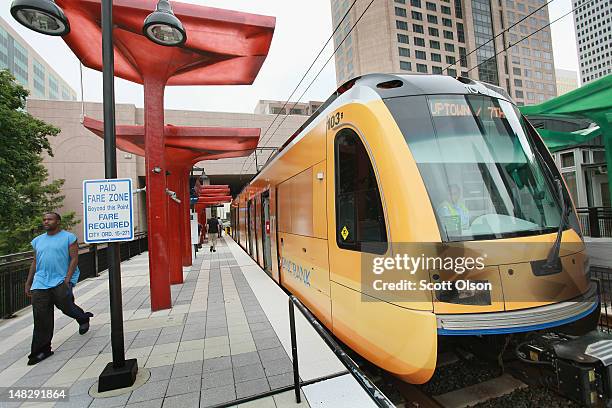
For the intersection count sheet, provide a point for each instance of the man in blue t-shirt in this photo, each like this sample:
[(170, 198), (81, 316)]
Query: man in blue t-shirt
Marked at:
[(53, 274)]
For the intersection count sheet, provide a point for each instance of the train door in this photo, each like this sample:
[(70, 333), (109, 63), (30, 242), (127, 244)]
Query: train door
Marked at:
[(265, 228), (250, 231), (257, 229), (356, 224)]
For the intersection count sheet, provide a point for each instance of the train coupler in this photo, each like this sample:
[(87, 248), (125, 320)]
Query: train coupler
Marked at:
[(582, 365)]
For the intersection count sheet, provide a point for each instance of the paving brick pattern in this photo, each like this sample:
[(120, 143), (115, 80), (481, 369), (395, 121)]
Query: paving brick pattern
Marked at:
[(214, 346)]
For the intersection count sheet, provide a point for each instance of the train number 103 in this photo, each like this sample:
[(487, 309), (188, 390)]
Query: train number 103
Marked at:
[(334, 120)]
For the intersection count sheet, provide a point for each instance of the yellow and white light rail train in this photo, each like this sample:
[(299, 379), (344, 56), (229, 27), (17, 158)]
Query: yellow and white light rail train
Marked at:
[(418, 159)]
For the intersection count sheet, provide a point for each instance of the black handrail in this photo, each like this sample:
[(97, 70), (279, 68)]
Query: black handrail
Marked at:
[(377, 396), (596, 222)]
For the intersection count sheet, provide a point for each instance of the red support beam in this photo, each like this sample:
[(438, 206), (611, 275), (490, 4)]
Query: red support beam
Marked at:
[(157, 199)]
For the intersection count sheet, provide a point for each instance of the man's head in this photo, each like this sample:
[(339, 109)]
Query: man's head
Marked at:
[(455, 193), (51, 221)]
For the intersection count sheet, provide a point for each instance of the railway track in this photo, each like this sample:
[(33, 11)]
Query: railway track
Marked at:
[(481, 385)]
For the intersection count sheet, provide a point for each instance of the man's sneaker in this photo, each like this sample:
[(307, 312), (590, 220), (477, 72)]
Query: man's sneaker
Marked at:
[(39, 357), (84, 327), (211, 249)]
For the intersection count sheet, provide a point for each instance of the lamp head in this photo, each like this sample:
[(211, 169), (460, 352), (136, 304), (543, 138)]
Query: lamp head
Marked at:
[(43, 16), (163, 27)]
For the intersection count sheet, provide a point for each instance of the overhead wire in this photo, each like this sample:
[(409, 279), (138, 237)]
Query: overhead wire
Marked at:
[(535, 32), (497, 35), (322, 68), (306, 73)]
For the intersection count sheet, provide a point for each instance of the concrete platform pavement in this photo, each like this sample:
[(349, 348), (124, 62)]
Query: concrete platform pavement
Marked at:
[(600, 251), (224, 339)]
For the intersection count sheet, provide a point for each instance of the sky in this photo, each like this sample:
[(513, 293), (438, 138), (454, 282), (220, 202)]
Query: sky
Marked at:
[(301, 30)]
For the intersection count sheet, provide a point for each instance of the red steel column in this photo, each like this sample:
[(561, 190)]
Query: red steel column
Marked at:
[(157, 199), (174, 231), (185, 217)]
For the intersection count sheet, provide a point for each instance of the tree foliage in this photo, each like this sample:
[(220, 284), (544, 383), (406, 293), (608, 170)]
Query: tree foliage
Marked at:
[(25, 194)]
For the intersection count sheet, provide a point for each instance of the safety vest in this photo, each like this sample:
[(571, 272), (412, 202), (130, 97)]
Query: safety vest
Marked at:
[(459, 211)]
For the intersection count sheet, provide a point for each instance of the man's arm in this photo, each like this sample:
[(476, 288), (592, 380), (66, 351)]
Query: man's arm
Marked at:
[(73, 249), (28, 283)]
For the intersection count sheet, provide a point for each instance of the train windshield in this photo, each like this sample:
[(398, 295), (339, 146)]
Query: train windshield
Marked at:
[(479, 163)]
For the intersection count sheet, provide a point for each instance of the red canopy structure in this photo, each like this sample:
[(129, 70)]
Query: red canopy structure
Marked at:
[(184, 146), (209, 195), (222, 48)]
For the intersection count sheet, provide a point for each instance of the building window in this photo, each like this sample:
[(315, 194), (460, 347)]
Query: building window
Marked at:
[(599, 156), (405, 66), (450, 60), (436, 70), (420, 55), (401, 12), (53, 87), (422, 68), (402, 38), (567, 159), (518, 82), (434, 32), (404, 52), (518, 94), (39, 79), (415, 3), (449, 47), (401, 25), (448, 35), (460, 33), (434, 44), (516, 71), (359, 211), (458, 9), (430, 6), (20, 63), (418, 41), (400, 1), (446, 10), (447, 22), (432, 19), (417, 28), (416, 15), (451, 72), (436, 57)]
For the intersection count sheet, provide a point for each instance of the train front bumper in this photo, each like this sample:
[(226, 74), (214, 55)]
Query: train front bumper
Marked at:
[(536, 318)]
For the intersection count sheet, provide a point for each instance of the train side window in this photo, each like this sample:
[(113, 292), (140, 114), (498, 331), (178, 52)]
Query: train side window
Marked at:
[(360, 221)]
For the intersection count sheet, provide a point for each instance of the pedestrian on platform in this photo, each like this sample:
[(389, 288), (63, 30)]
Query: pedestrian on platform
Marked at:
[(212, 225), (53, 274), (220, 226)]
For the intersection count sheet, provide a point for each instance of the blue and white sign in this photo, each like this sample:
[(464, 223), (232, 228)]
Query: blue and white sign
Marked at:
[(107, 210)]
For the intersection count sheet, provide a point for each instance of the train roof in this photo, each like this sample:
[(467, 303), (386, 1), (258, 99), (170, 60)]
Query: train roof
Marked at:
[(396, 85), (393, 85)]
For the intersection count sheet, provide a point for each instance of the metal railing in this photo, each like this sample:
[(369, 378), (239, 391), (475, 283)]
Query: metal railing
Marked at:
[(596, 222), (14, 270), (373, 392), (603, 276)]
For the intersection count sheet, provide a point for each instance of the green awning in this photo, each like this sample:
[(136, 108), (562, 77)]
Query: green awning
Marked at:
[(556, 140), (593, 102)]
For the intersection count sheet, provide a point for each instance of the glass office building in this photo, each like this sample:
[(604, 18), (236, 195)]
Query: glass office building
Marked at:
[(29, 68)]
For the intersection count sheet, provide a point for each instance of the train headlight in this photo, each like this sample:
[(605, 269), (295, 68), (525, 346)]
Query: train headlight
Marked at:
[(474, 292)]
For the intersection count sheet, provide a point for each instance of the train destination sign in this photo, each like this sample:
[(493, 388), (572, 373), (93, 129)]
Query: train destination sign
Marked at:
[(107, 210)]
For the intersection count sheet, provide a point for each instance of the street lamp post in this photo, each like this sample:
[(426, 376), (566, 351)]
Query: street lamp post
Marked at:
[(161, 27), (120, 373), (46, 17)]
